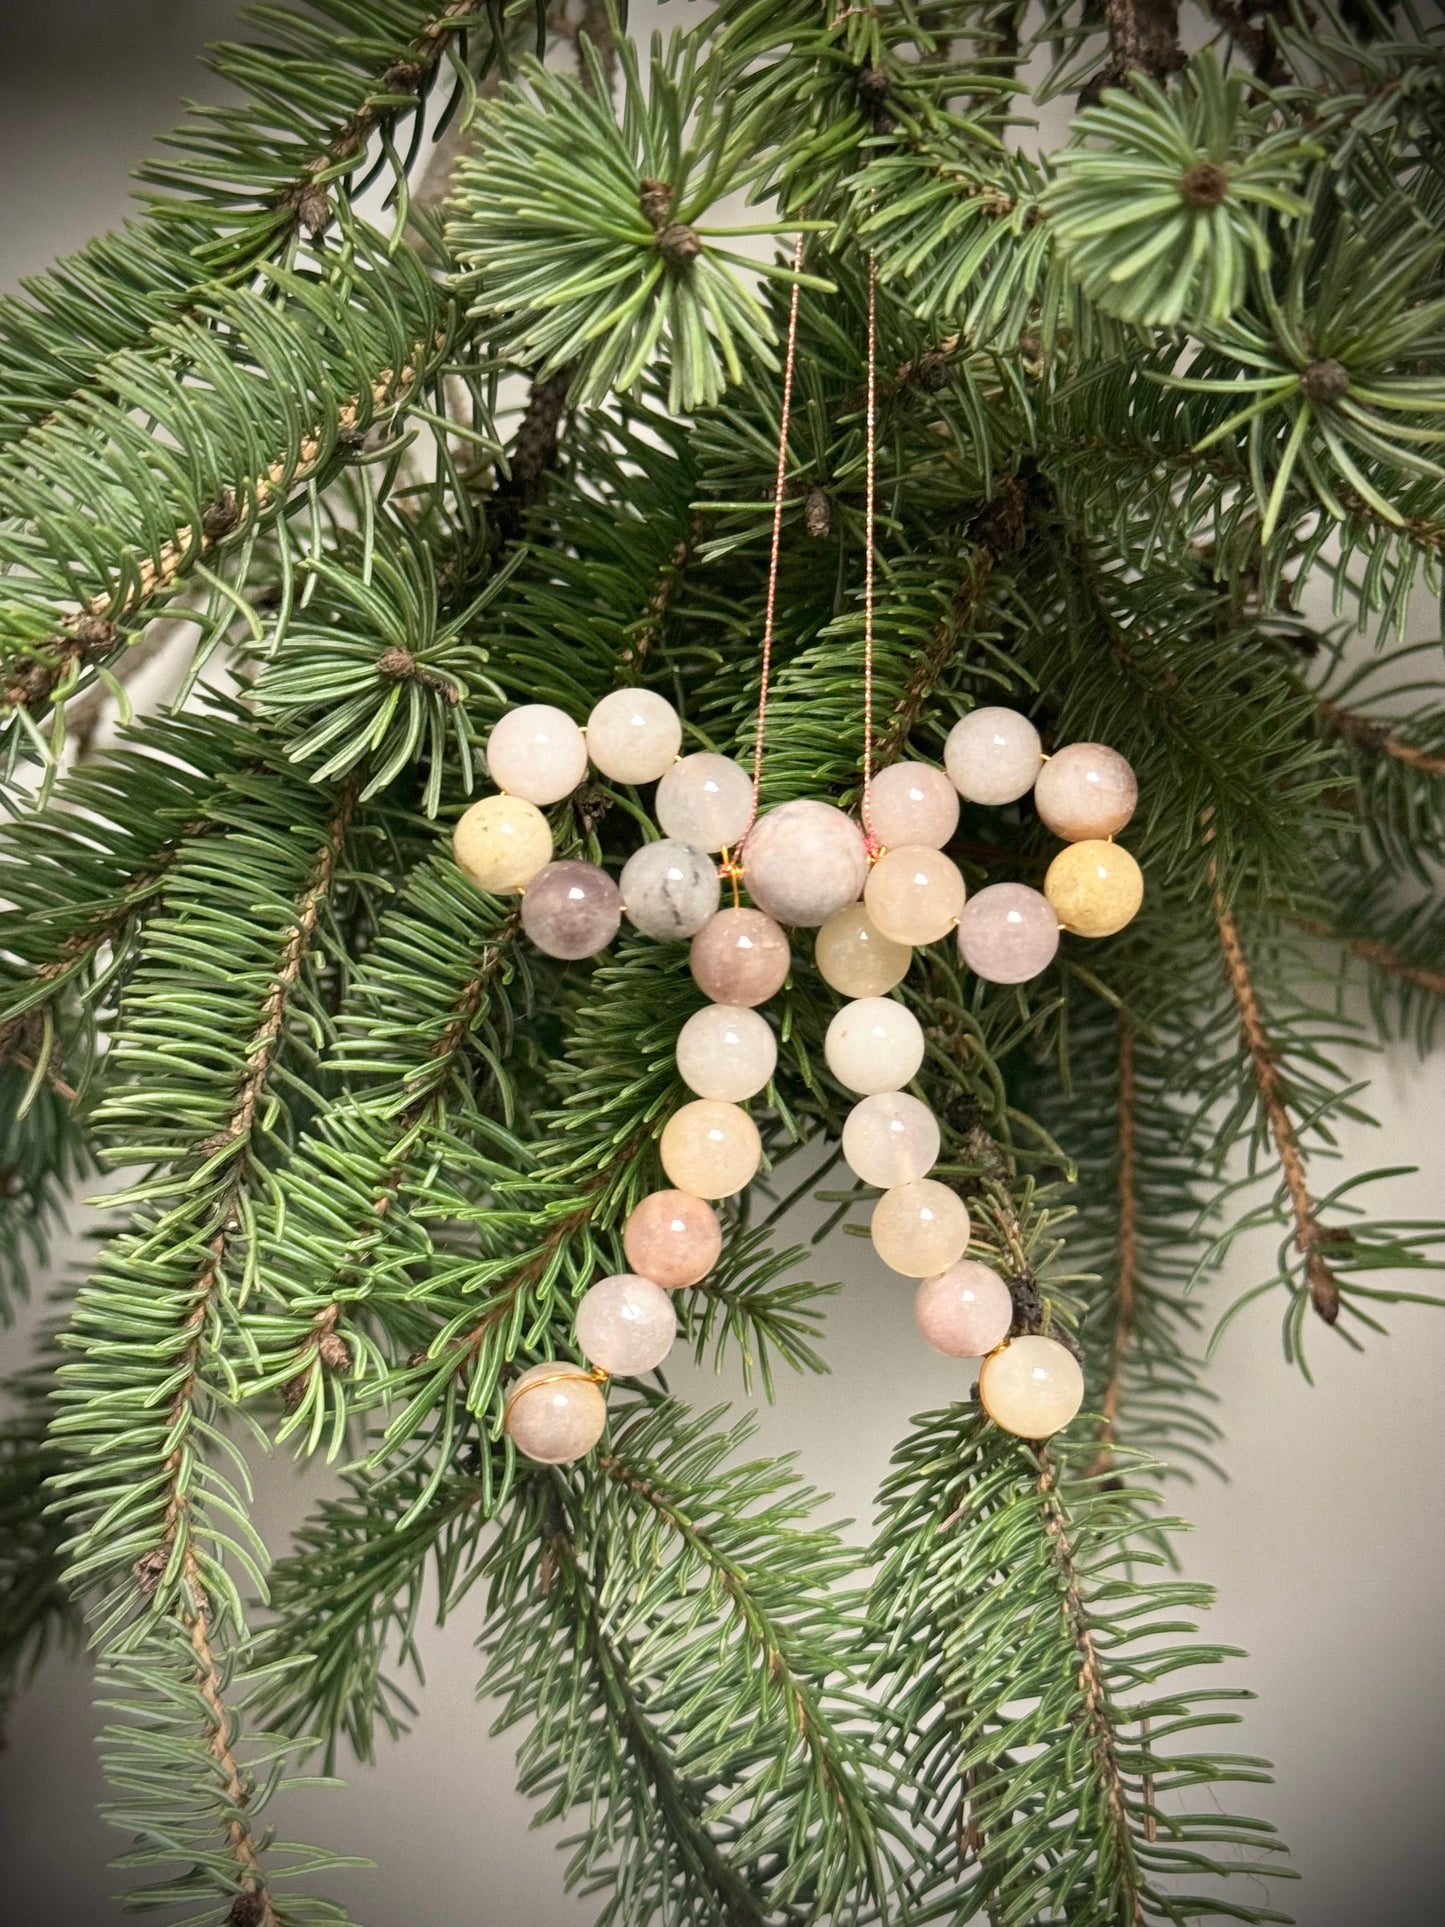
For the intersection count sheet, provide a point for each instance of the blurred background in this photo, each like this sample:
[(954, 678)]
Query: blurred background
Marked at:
[(1327, 1545)]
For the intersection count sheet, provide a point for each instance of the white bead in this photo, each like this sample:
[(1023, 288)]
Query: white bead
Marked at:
[(1086, 790), (855, 957), (913, 803), (537, 752), (914, 895), (633, 735), (920, 1228), (1032, 1387), (555, 1413), (874, 1044), (502, 842), (626, 1325), (705, 801), (993, 756), (668, 890), (712, 1150), (890, 1139), (726, 1052), (1008, 933), (804, 860)]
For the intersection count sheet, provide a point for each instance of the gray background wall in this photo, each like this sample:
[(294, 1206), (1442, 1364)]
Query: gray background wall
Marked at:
[(1327, 1545)]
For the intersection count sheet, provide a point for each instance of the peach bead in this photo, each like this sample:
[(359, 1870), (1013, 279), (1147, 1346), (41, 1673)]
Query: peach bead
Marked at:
[(672, 1238), (1008, 933), (633, 735), (726, 1051), (502, 842), (1085, 790), (804, 860), (571, 909), (920, 1228), (555, 1413), (705, 801), (914, 895), (965, 1311), (740, 957), (993, 756), (712, 1150), (913, 804), (625, 1325), (537, 752), (1095, 888), (854, 956), (890, 1139), (874, 1044), (1032, 1388)]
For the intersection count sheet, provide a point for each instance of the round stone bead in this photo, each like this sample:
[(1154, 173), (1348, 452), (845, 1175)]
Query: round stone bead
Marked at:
[(920, 1228), (571, 909), (965, 1311), (740, 957), (854, 956), (555, 1413), (913, 804), (804, 860), (502, 842), (727, 1052), (874, 1044), (705, 801), (712, 1150), (1085, 790), (625, 1325), (1033, 1387), (669, 890), (633, 735), (672, 1238), (1095, 888), (993, 756), (890, 1139), (537, 752), (1008, 933), (914, 895)]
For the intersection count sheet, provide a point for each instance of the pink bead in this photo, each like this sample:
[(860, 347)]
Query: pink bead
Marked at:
[(803, 861), (1085, 790), (571, 909), (555, 1413), (626, 1325), (913, 804), (1008, 933), (673, 1238), (740, 957), (964, 1311)]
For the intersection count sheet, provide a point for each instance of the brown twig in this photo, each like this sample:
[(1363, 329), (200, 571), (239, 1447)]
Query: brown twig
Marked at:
[(1371, 951), (1143, 37), (1364, 733), (943, 645), (1126, 1288), (654, 616)]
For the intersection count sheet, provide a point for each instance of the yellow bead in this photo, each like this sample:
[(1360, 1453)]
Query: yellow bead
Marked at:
[(1095, 888), (1031, 1388), (710, 1150), (501, 843), (854, 956)]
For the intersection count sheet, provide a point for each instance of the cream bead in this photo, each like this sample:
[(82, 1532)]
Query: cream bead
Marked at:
[(920, 1228), (502, 842), (712, 1150), (571, 909), (672, 1238), (625, 1325), (993, 756), (633, 736), (913, 804), (854, 956), (1085, 790), (965, 1311), (890, 1139), (668, 890), (914, 895), (705, 801), (1095, 888), (537, 752), (874, 1044), (740, 957), (1032, 1388), (1008, 933), (727, 1052), (555, 1413), (804, 860)]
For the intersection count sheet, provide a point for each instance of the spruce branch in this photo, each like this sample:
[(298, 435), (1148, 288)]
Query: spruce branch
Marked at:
[(1363, 732), (1126, 1285), (1143, 38)]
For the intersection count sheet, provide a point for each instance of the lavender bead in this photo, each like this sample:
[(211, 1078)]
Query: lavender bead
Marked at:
[(1008, 933), (571, 909)]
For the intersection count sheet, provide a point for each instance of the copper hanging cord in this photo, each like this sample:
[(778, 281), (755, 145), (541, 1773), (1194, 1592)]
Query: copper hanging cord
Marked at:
[(869, 493)]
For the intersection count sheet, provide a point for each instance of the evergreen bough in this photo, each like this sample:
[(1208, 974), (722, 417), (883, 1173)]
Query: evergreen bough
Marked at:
[(375, 441)]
